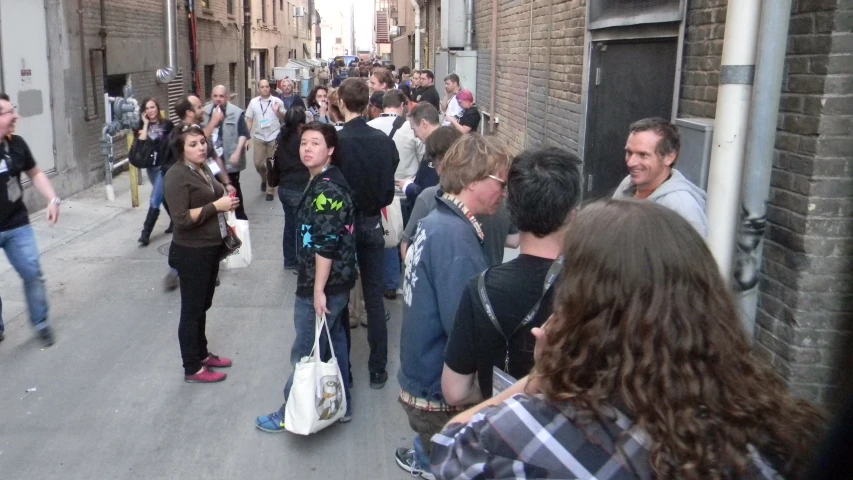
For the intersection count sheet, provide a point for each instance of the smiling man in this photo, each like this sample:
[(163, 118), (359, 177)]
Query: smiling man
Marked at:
[(650, 155)]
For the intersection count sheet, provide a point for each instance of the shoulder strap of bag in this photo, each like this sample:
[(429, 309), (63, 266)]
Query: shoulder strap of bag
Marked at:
[(398, 122), (550, 278)]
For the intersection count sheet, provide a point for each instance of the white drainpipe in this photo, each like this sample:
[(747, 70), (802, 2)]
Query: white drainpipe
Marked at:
[(417, 34), (731, 119)]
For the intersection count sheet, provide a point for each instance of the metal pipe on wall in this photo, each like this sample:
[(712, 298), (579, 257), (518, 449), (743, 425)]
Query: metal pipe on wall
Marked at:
[(469, 25), (247, 50), (493, 67), (737, 72), (417, 9), (760, 145), (170, 71)]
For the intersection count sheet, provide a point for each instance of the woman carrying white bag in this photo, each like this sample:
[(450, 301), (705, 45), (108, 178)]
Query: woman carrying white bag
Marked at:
[(326, 256)]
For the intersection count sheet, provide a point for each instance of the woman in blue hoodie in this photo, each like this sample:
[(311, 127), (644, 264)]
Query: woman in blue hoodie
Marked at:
[(326, 256)]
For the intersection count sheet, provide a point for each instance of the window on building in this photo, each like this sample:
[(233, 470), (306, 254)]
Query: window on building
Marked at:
[(229, 7), (281, 5), (232, 76), (208, 80), (274, 14), (613, 13), (115, 85), (264, 11)]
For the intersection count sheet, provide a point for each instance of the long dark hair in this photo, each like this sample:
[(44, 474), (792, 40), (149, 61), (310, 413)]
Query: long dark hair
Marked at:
[(642, 317), (143, 104), (294, 120), (312, 96)]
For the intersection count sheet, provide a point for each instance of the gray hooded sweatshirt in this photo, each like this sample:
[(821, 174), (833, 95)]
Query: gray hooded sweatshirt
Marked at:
[(677, 193)]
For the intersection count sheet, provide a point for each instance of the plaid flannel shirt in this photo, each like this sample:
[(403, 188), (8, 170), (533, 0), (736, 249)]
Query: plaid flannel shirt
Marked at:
[(530, 437)]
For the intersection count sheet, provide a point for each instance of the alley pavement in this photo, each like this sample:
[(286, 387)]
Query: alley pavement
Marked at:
[(109, 400)]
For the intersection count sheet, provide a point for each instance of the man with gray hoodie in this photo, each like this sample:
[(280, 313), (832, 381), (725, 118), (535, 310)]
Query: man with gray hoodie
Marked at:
[(650, 154)]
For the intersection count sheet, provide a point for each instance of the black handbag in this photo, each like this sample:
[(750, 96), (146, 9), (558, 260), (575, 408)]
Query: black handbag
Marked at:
[(143, 153), (230, 244), (273, 175)]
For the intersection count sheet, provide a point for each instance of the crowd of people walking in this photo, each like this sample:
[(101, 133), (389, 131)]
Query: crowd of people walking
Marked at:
[(622, 337)]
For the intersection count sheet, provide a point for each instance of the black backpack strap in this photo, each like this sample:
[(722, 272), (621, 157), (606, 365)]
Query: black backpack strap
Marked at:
[(398, 122)]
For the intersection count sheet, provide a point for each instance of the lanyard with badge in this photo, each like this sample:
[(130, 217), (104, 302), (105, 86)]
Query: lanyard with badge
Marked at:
[(13, 188), (265, 122), (223, 226), (550, 278)]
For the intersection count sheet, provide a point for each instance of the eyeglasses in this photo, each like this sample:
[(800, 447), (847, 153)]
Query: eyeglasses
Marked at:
[(499, 180), (13, 110)]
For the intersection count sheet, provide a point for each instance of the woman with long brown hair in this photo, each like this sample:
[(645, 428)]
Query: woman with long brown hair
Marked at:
[(152, 140), (643, 371)]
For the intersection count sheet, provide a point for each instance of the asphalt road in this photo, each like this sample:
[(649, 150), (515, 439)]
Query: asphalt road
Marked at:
[(110, 400)]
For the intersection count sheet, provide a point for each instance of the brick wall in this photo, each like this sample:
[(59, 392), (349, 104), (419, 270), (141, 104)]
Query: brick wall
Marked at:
[(135, 48), (545, 54), (806, 292)]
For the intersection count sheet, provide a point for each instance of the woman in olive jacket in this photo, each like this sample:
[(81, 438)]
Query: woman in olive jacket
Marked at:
[(197, 203)]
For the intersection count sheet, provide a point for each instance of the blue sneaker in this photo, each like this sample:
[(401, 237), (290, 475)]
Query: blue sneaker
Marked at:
[(272, 423)]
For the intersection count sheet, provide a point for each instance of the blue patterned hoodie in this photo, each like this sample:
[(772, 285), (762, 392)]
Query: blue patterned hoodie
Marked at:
[(325, 220)]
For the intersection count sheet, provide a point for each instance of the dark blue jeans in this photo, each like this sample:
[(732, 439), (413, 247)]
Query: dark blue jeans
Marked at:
[(304, 321), (370, 247), (289, 202)]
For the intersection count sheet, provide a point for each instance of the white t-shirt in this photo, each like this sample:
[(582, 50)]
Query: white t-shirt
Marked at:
[(265, 124), (453, 110), (410, 149)]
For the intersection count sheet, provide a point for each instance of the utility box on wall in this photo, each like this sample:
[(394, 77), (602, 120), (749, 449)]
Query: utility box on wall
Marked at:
[(453, 17), (460, 62), (694, 158)]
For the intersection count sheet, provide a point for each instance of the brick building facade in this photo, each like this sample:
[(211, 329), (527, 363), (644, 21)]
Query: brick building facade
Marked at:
[(134, 36), (278, 34), (546, 63)]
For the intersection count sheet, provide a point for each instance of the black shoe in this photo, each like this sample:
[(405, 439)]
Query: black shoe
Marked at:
[(2, 336), (390, 294), (217, 281), (47, 337), (269, 197), (170, 228), (263, 186), (377, 380), (171, 282)]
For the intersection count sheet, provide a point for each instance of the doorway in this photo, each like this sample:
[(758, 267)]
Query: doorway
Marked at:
[(629, 80)]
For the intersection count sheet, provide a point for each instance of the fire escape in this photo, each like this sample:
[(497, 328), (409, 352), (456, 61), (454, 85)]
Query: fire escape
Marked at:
[(382, 22)]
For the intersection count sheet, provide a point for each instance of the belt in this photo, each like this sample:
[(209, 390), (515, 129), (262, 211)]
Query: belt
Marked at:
[(428, 405)]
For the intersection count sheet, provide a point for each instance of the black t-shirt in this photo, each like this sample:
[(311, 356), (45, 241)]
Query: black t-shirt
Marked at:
[(475, 346), (429, 94), (470, 118), (15, 157)]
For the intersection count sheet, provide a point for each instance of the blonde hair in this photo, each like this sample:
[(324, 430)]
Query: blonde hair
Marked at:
[(470, 159)]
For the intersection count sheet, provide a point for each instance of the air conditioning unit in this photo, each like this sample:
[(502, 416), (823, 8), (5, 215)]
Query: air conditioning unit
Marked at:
[(394, 31), (298, 11)]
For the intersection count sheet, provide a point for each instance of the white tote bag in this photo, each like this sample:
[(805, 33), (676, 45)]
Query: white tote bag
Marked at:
[(392, 223), (243, 256), (317, 397)]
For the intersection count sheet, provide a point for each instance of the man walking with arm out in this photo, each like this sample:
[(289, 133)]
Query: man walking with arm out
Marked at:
[(16, 235), (225, 126)]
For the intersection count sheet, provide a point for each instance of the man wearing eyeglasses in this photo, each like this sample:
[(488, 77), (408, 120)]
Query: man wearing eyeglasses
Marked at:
[(16, 235)]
